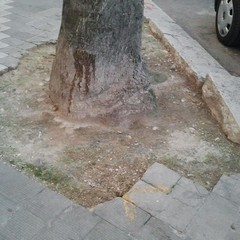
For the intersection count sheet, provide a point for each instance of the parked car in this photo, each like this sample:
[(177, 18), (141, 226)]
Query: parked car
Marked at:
[(228, 21)]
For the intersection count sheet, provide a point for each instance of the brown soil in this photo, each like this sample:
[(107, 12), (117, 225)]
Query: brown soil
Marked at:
[(93, 162)]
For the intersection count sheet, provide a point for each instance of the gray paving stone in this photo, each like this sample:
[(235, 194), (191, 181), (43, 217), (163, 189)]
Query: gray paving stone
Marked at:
[(38, 40), (46, 234), (14, 51), (161, 177), (75, 222), (26, 23), (3, 68), (3, 27), (10, 50), (22, 225), (155, 229), (4, 13), (7, 208), (106, 231), (3, 20), (5, 7), (18, 19), (214, 219), (177, 214), (232, 235), (38, 21), (3, 237), (189, 193), (52, 12), (6, 169), (147, 197), (18, 34), (3, 45), (62, 230), (51, 36), (122, 214), (26, 46), (3, 55), (9, 61), (23, 11), (47, 204), (192, 186), (236, 176), (18, 187), (3, 35), (22, 27), (12, 41), (234, 231), (228, 188)]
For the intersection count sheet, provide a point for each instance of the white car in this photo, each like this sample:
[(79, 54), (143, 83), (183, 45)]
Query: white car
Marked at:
[(228, 21)]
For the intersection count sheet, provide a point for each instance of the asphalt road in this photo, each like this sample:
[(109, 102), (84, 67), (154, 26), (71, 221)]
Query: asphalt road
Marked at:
[(197, 18)]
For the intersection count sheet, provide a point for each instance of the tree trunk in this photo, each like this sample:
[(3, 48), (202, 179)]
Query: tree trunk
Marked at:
[(98, 68)]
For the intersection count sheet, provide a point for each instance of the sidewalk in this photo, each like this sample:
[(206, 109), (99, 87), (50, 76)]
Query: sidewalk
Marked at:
[(29, 210), (25, 24), (162, 205)]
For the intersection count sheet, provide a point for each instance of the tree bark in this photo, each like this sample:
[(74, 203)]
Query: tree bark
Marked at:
[(98, 69)]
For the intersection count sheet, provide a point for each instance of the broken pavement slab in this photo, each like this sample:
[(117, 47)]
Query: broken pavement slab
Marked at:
[(175, 207), (220, 89), (189, 209)]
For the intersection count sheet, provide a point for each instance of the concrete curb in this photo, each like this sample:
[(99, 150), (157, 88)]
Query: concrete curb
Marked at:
[(219, 87)]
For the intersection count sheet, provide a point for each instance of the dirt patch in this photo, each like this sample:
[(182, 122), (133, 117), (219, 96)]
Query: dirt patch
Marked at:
[(93, 162)]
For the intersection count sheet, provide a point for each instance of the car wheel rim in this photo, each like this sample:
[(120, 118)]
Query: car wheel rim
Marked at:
[(225, 17)]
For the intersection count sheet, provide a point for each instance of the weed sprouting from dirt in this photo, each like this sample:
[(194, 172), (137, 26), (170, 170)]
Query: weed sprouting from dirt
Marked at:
[(49, 175)]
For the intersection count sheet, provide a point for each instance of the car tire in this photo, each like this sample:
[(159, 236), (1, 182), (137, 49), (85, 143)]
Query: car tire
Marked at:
[(228, 22)]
